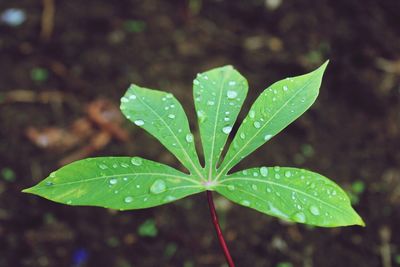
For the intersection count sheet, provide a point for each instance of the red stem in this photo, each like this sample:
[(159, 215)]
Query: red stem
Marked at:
[(221, 239)]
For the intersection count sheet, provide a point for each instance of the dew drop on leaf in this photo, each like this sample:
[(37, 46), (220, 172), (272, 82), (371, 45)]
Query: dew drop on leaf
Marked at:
[(227, 129), (113, 181), (267, 137), (242, 135), (124, 165), (189, 138), (314, 210), (196, 82), (139, 122), (169, 198), (231, 94), (257, 124), (210, 103), (171, 116), (252, 114), (285, 88), (128, 199), (245, 202), (232, 83), (48, 183), (158, 187), (103, 166), (231, 187), (264, 171), (132, 97), (299, 217), (136, 161), (288, 174), (254, 187)]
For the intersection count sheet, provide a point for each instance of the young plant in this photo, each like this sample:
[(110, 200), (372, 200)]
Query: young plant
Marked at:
[(127, 183)]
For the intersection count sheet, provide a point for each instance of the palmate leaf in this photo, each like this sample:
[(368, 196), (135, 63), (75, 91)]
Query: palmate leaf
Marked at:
[(134, 183), (116, 182), (291, 194)]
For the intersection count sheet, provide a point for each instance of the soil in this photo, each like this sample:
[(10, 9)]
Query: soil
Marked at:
[(94, 49)]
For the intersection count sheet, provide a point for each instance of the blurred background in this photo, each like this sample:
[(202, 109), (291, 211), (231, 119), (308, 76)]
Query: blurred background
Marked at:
[(65, 64)]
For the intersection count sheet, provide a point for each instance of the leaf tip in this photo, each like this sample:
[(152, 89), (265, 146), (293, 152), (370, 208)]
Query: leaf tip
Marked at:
[(27, 190)]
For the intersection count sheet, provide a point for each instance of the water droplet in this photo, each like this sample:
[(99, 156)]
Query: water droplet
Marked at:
[(124, 100), (124, 165), (285, 88), (169, 95), (245, 202), (269, 190), (69, 202), (164, 99), (201, 116), (48, 183), (136, 161), (132, 97), (242, 135), (113, 181), (171, 116), (227, 129), (252, 114), (254, 187), (103, 166), (264, 171), (257, 124), (232, 83), (255, 174), (158, 187), (314, 210), (196, 82), (227, 112), (277, 168), (226, 119), (139, 122), (299, 217), (231, 94), (210, 103), (244, 172), (169, 198), (189, 138), (138, 186), (128, 199), (288, 174), (231, 187), (267, 137), (166, 108), (277, 176), (115, 165)]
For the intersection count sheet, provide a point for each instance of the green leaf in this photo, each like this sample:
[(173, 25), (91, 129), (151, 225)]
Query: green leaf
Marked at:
[(160, 114), (278, 106), (116, 182), (291, 194), (219, 95)]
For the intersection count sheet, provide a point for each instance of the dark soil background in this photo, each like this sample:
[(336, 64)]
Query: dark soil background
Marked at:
[(51, 69)]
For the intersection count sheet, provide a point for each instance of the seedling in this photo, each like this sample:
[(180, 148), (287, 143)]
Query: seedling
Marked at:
[(127, 183)]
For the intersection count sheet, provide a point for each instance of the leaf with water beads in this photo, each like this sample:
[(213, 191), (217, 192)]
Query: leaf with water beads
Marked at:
[(122, 183), (291, 194), (278, 106), (160, 114), (219, 95)]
